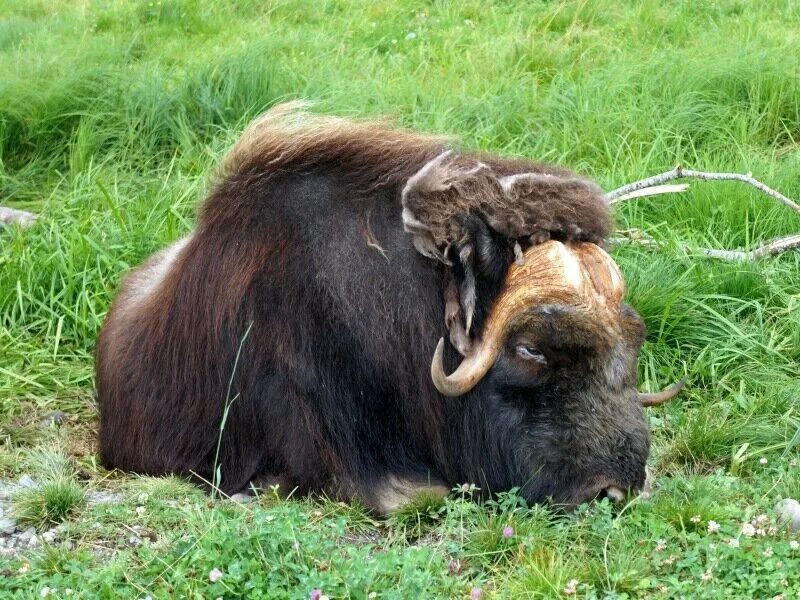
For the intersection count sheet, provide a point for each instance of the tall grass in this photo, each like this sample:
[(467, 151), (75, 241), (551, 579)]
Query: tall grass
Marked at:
[(113, 115)]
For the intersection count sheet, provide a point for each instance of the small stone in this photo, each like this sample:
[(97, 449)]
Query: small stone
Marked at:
[(242, 498), (29, 533), (93, 498), (49, 536), (18, 217), (7, 525), (788, 514), (33, 542), (134, 540), (54, 419), (26, 481)]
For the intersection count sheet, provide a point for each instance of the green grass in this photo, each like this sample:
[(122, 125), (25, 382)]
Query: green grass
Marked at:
[(56, 497), (112, 117)]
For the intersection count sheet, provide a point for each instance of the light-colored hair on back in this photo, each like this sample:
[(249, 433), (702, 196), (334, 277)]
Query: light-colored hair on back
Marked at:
[(289, 138)]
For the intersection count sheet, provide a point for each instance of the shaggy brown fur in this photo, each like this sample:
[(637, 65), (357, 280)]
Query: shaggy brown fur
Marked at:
[(518, 199), (301, 274), (288, 138)]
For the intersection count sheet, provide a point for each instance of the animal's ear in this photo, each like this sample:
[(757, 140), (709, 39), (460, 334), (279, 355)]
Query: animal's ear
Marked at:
[(489, 253), (542, 205), (483, 257)]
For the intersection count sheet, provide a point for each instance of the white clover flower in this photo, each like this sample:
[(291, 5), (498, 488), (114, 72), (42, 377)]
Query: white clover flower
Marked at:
[(733, 543), (767, 551), (214, 575), (713, 527), (661, 545), (762, 461), (571, 588), (748, 530), (794, 545), (695, 519)]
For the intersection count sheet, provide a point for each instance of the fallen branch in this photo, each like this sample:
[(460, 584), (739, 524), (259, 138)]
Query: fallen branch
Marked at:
[(679, 172), (769, 249), (653, 191), (655, 185)]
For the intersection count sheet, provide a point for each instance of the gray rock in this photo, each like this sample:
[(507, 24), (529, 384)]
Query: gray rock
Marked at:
[(93, 498), (788, 513), (134, 540), (49, 536), (242, 498), (33, 542), (27, 534), (54, 419), (18, 217), (27, 482), (7, 525)]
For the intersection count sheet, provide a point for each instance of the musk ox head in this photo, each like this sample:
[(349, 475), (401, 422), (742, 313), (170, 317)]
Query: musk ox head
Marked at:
[(557, 360)]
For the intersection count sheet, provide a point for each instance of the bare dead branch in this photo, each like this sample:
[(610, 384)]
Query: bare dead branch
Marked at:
[(625, 192), (655, 185), (653, 191), (776, 246)]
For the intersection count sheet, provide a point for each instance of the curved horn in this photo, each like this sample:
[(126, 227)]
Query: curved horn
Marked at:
[(580, 274), (466, 376), (663, 396)]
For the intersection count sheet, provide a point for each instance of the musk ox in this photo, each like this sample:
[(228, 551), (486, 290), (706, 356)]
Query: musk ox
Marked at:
[(288, 339)]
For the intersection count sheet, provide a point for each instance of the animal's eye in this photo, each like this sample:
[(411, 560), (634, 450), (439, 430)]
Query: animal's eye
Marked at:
[(527, 352)]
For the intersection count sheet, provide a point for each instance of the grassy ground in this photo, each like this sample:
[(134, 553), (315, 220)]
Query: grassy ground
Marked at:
[(112, 115)]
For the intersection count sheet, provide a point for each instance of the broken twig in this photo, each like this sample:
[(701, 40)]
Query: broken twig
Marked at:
[(655, 185), (679, 172)]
